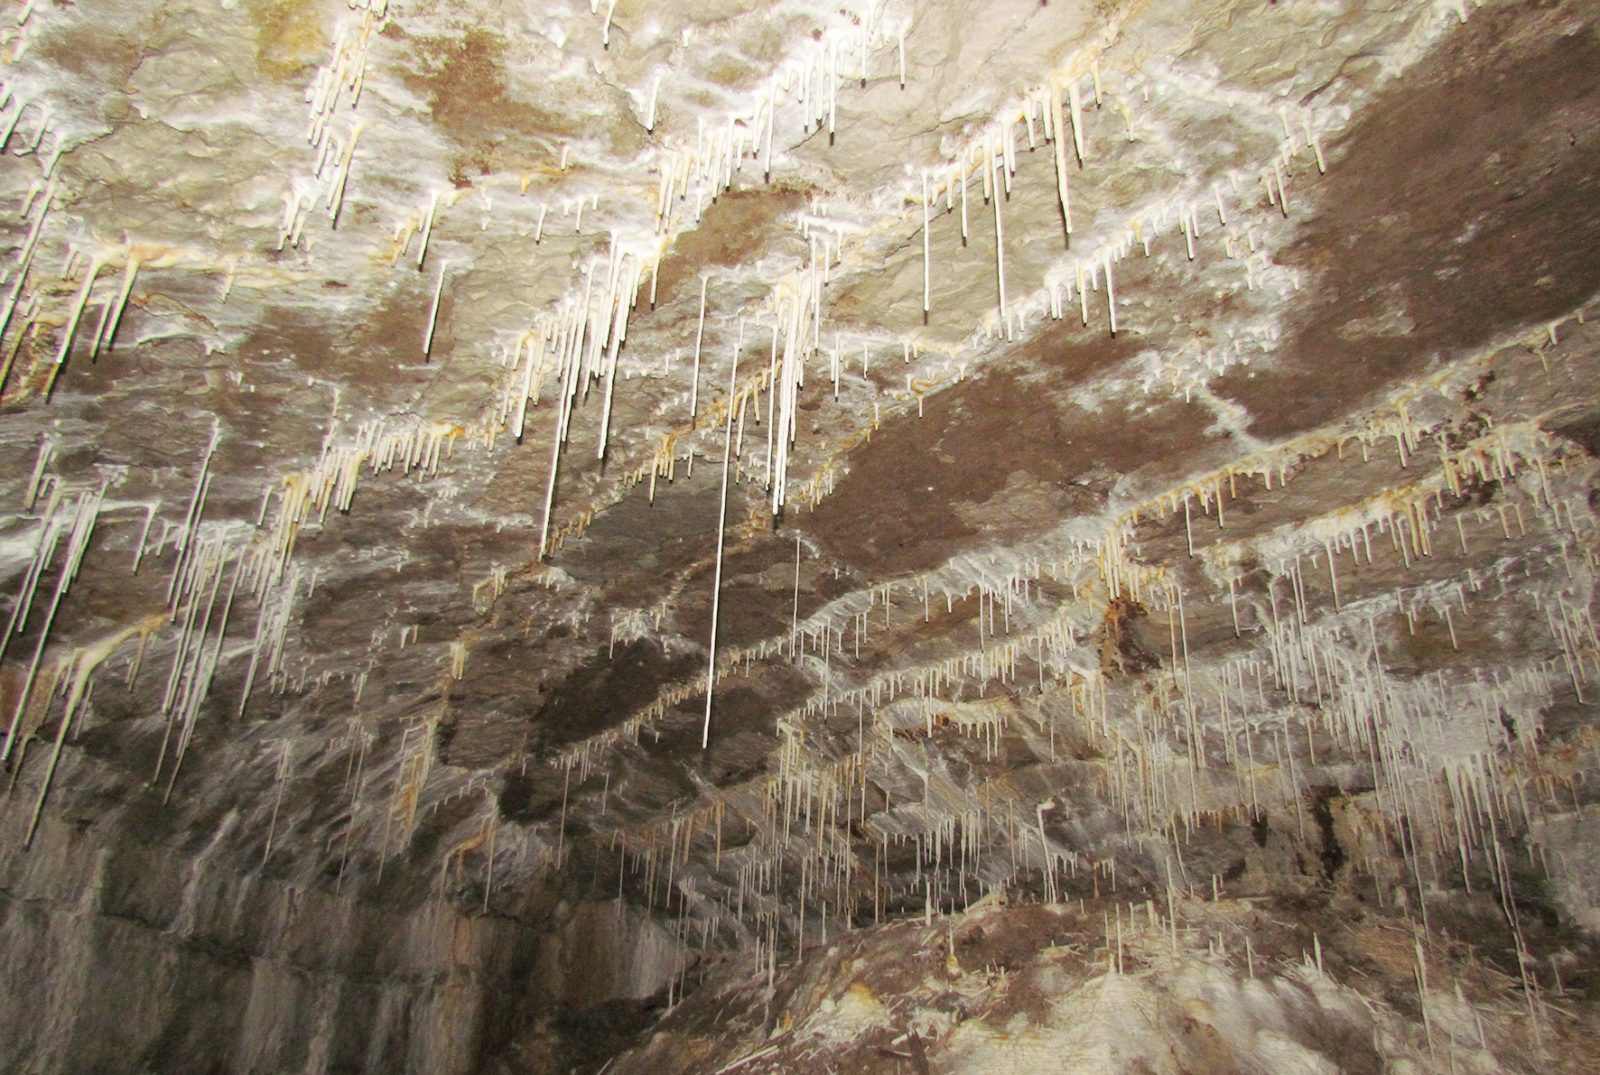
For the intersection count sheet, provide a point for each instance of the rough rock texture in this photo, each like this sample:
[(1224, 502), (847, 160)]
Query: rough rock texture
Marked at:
[(1099, 451), (1227, 986)]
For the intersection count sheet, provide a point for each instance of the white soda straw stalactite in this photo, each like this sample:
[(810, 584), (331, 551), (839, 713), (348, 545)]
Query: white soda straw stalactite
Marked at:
[(699, 337), (77, 523), (722, 526)]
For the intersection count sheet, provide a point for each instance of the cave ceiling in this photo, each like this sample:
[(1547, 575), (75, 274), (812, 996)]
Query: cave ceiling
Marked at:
[(1061, 427)]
